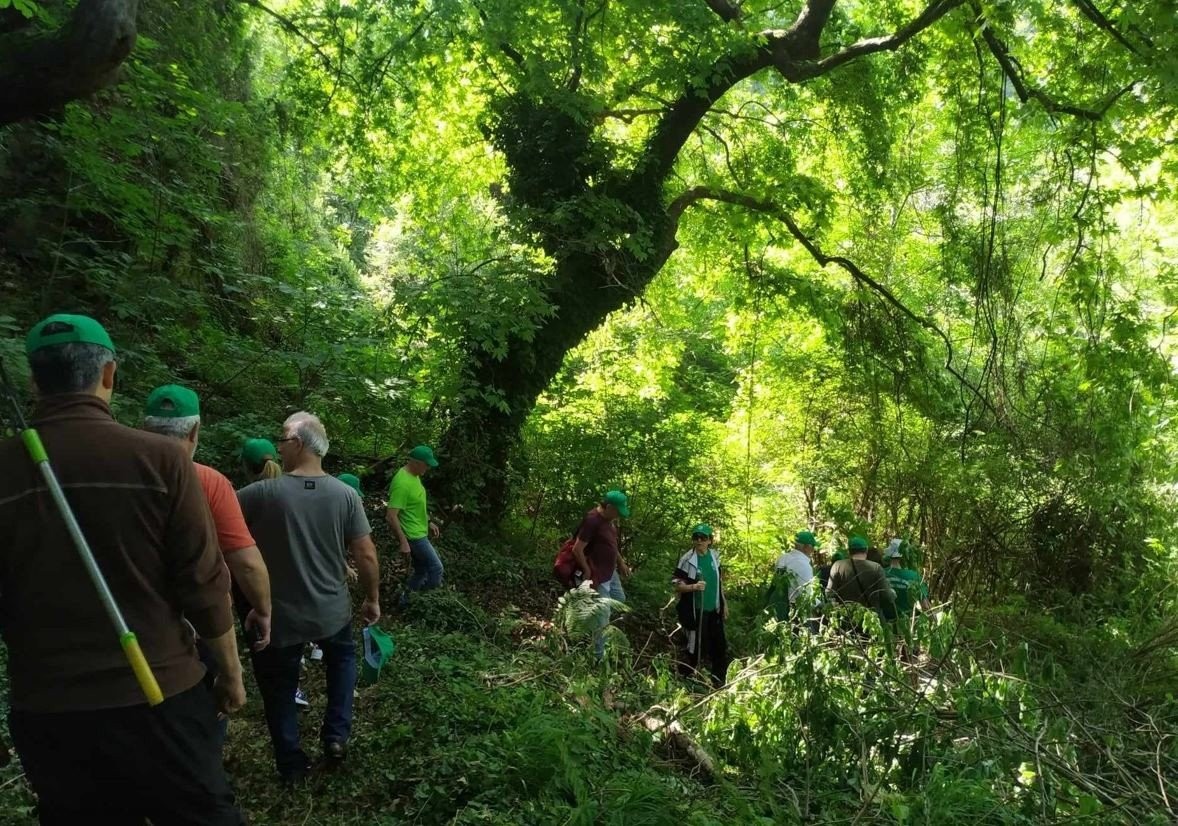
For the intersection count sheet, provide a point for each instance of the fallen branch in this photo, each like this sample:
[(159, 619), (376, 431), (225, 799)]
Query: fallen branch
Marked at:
[(674, 736)]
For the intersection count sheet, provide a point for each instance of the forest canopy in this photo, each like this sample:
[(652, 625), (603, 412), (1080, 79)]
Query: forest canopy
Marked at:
[(886, 264)]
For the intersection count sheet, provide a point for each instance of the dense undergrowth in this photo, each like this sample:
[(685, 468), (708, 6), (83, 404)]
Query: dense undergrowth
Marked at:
[(492, 711)]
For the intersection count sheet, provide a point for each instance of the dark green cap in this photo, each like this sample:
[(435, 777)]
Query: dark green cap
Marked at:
[(837, 555), (378, 647), (703, 528), (619, 501), (350, 480), (171, 401), (256, 451), (68, 329), (806, 538), (857, 543), (424, 453)]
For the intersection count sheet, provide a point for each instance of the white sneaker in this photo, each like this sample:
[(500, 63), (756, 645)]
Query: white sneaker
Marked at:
[(316, 653), (301, 699)]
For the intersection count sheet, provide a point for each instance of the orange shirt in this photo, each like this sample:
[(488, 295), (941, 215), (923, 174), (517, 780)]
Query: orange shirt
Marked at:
[(232, 534)]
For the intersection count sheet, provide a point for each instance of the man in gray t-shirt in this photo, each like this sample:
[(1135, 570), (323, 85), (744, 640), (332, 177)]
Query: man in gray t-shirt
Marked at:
[(305, 523)]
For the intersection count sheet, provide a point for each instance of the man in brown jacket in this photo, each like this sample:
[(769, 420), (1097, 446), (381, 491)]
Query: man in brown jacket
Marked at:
[(91, 747), (860, 580)]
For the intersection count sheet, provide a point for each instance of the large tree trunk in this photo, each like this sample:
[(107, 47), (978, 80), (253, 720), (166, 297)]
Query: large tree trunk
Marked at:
[(40, 72), (481, 441), (551, 161)]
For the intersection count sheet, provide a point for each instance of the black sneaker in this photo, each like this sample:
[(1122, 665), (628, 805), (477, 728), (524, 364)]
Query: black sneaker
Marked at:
[(335, 751), (294, 779)]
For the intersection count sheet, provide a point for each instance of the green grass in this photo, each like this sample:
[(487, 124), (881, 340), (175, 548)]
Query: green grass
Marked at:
[(499, 715)]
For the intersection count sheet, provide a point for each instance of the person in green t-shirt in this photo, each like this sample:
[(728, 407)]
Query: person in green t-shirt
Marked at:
[(910, 592), (909, 587), (702, 608), (408, 516)]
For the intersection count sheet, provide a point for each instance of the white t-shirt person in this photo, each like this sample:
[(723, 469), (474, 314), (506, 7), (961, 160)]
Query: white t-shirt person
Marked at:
[(801, 572)]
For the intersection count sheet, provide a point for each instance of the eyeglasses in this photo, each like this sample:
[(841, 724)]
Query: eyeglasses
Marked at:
[(696, 537), (286, 439)]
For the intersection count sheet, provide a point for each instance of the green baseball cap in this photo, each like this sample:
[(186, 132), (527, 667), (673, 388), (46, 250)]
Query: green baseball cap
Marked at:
[(424, 453), (837, 555), (350, 480), (378, 648), (619, 501), (67, 329), (171, 401), (256, 451), (807, 538), (857, 543), (702, 528)]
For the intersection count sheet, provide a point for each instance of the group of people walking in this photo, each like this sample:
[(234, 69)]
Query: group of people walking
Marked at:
[(170, 535), (181, 552), (798, 590), (856, 575), (796, 594)]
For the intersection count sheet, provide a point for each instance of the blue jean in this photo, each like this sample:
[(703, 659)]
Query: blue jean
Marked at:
[(427, 566), (610, 589), (277, 673)]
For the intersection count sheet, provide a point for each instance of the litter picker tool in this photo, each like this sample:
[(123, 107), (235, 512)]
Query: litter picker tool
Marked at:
[(127, 640)]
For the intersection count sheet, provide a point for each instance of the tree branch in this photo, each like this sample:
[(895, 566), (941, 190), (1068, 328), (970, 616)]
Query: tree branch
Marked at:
[(728, 11), (934, 12), (700, 193), (383, 63), (807, 28), (290, 27), (1026, 91), (628, 115), (505, 47), (1089, 10), (40, 72), (792, 52), (680, 120)]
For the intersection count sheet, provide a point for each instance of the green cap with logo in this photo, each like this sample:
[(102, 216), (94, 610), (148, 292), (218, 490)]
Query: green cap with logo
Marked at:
[(257, 451), (378, 648), (64, 328), (171, 401), (703, 529), (857, 544), (424, 453), (619, 501), (807, 538), (351, 480)]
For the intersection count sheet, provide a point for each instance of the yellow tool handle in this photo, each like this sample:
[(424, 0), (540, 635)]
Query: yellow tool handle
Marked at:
[(151, 689)]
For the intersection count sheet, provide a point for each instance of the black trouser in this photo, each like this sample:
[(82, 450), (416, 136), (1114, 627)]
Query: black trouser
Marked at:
[(712, 642), (121, 765)]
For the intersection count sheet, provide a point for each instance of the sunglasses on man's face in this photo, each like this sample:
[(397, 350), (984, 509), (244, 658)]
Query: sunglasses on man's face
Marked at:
[(280, 440), (696, 537)]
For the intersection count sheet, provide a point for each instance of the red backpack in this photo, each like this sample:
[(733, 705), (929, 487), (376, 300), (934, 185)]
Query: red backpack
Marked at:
[(565, 567)]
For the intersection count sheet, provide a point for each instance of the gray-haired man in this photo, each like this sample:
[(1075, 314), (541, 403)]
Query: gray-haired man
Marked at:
[(174, 411), (305, 523)]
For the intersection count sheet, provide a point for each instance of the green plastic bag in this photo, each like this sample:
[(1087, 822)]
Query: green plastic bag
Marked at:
[(378, 647)]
